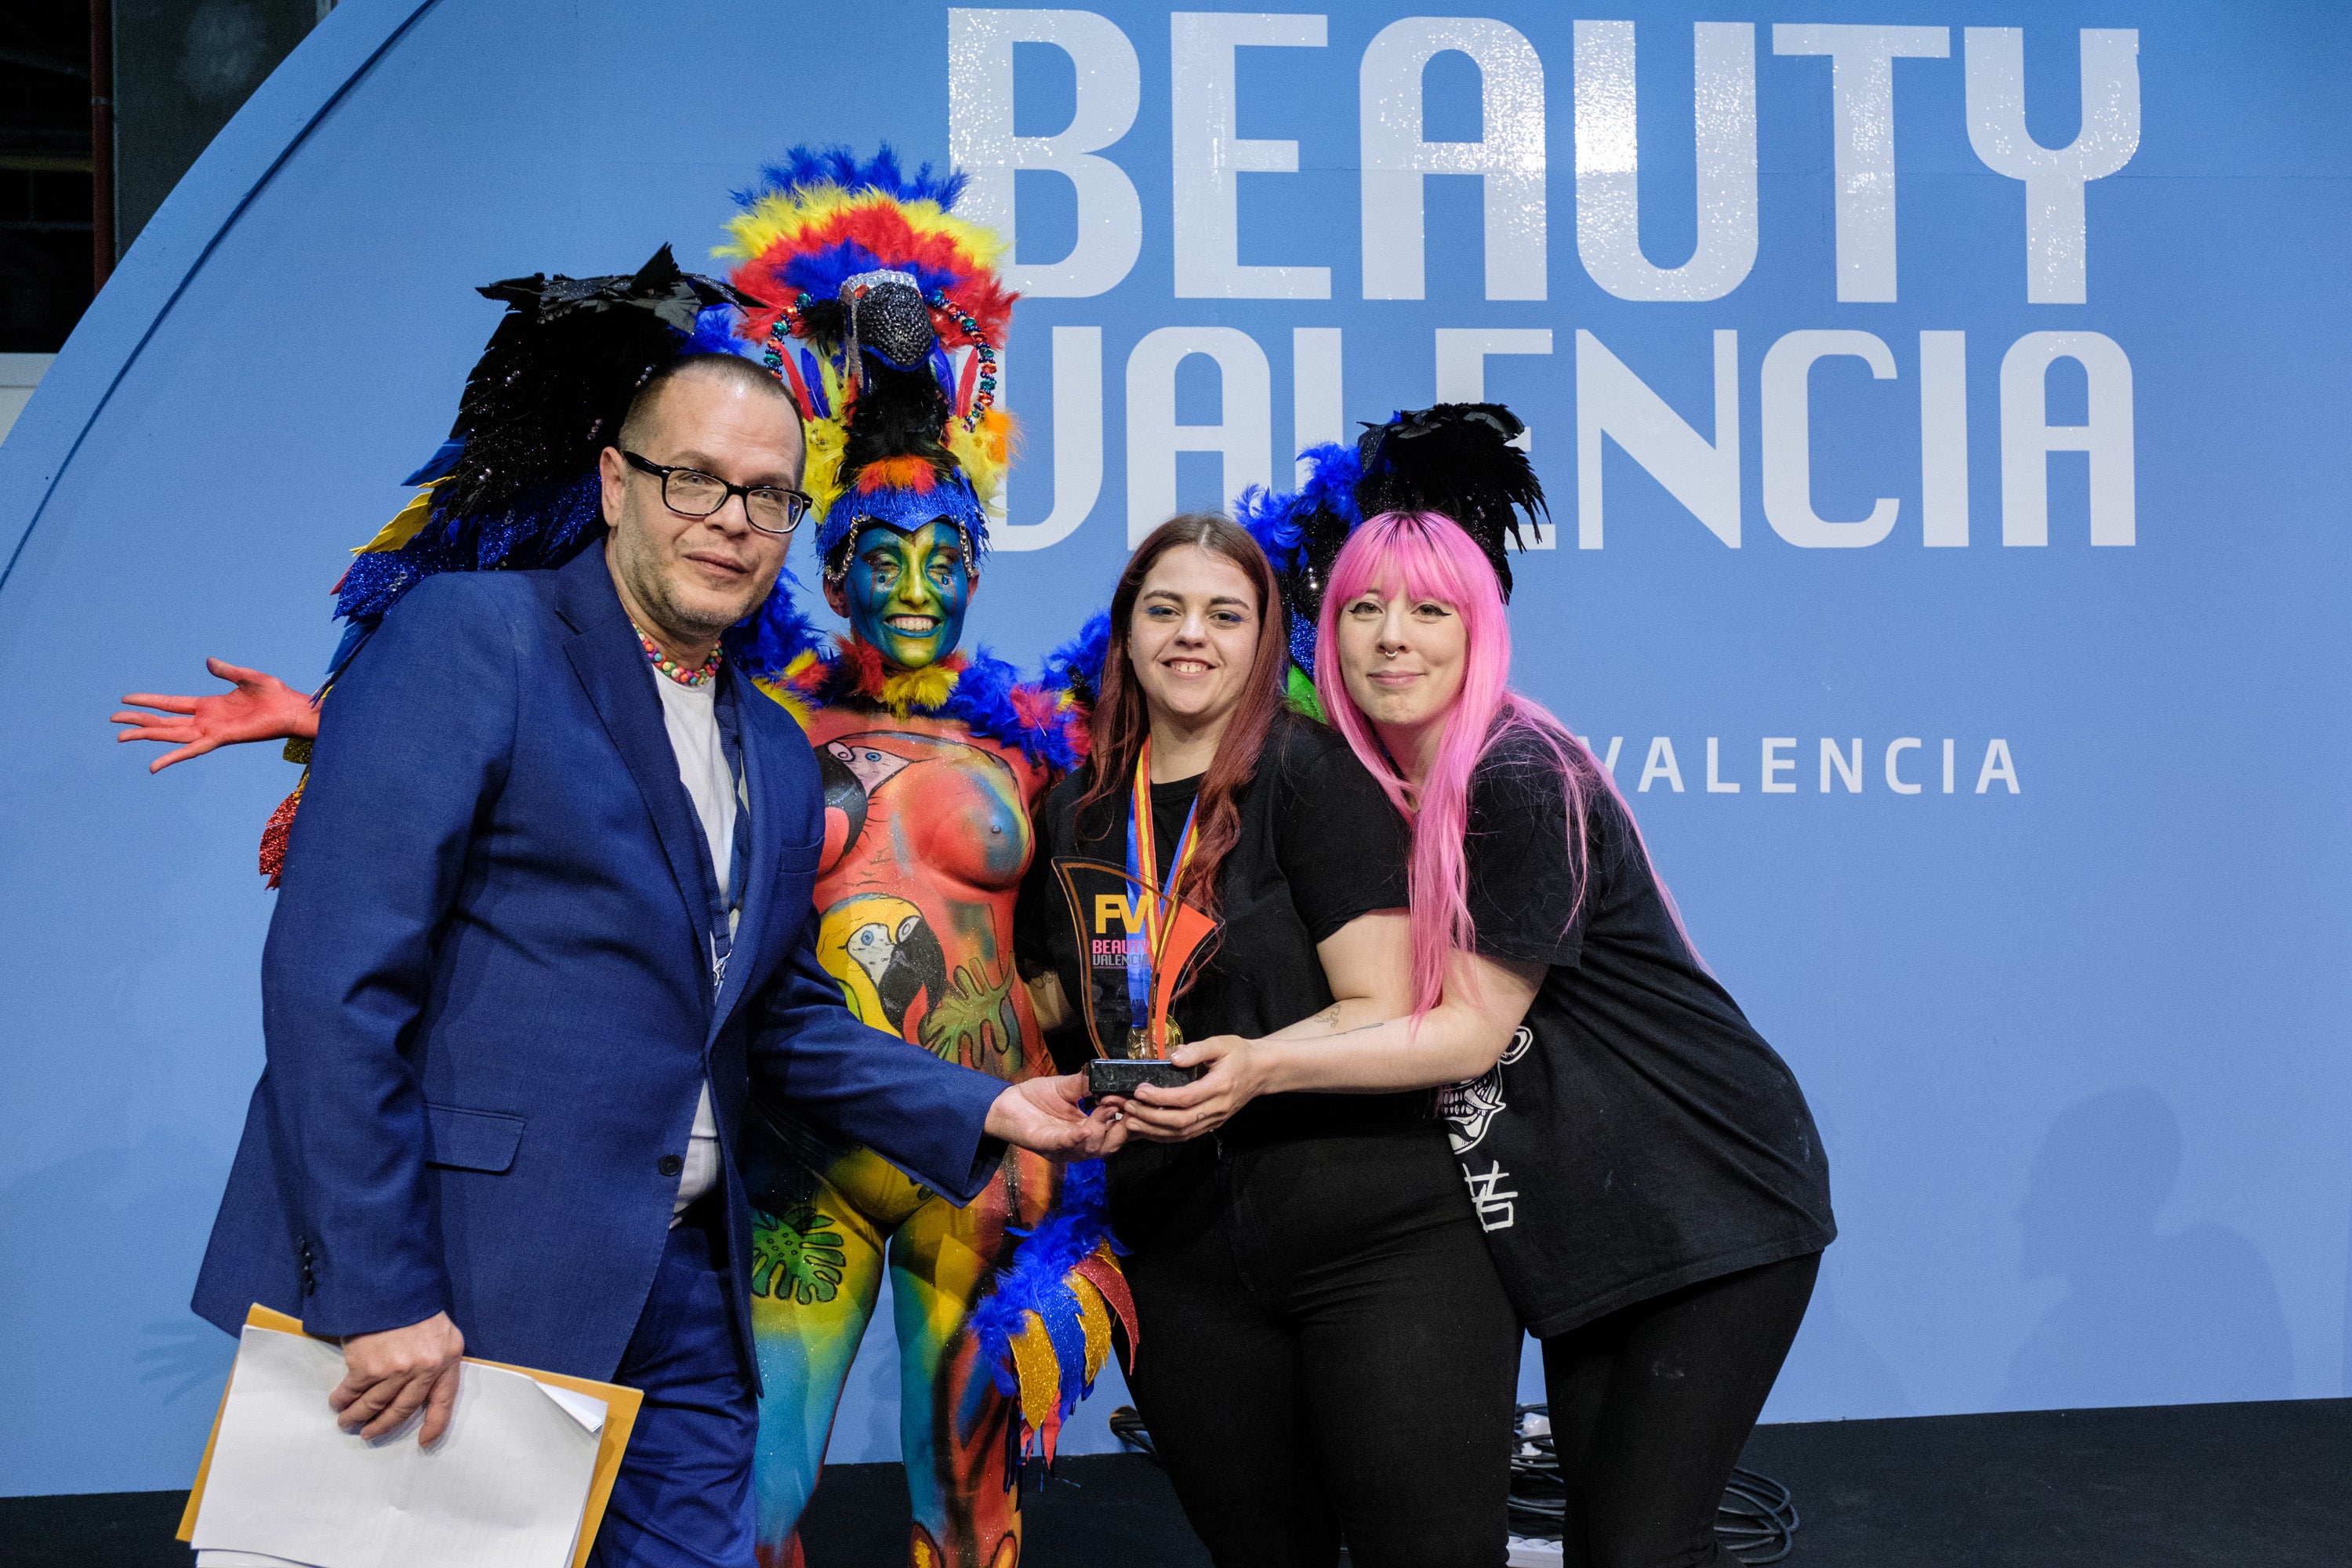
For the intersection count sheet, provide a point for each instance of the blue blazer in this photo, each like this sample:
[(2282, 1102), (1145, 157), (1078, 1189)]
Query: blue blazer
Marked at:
[(487, 1000)]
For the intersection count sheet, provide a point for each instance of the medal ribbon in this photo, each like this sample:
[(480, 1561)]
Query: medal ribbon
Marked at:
[(1142, 865)]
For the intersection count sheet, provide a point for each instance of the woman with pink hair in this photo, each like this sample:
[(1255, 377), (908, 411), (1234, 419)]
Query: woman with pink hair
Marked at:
[(1652, 1187)]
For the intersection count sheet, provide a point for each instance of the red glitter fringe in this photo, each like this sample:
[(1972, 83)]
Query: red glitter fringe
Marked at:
[(273, 835)]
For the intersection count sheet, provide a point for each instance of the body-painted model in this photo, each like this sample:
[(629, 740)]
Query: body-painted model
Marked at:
[(933, 757)]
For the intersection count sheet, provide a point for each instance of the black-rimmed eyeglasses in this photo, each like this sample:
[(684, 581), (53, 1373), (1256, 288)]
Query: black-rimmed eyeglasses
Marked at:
[(690, 493)]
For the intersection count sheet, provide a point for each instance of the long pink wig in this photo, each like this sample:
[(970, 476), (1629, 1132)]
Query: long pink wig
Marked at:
[(1427, 556)]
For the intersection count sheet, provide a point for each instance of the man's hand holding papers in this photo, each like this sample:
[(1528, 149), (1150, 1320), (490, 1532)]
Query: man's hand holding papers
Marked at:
[(390, 1375)]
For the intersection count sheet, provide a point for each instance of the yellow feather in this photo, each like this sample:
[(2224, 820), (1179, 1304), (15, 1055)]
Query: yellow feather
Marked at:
[(785, 215), (1094, 1316), (925, 687), (1040, 1373), (983, 452), (834, 375), (405, 524), (782, 695), (821, 474)]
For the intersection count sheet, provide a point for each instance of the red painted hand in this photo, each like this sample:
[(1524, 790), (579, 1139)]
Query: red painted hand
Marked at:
[(261, 707)]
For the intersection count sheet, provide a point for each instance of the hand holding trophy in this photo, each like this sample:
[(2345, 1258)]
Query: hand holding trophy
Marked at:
[(1137, 943)]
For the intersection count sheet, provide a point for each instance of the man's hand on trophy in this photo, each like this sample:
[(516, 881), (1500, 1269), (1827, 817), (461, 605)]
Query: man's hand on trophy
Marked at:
[(1236, 1074), (1043, 1114), (261, 707)]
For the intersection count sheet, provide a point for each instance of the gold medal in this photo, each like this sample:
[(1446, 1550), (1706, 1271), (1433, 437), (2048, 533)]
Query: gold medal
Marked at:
[(1139, 1041)]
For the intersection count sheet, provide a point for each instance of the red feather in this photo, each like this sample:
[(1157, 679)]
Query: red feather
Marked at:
[(1099, 1270), (1034, 708), (884, 230)]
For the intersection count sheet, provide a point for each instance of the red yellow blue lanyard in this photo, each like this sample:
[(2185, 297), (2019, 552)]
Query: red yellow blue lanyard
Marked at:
[(1142, 864)]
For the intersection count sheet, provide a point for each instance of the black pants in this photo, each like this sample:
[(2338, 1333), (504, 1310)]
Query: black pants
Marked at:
[(1651, 1405), (1325, 1351)]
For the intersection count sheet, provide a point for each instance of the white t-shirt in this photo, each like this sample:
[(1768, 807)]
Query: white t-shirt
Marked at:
[(690, 714)]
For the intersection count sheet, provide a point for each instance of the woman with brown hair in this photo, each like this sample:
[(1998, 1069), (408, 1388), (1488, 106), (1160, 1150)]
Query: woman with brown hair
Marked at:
[(1325, 1352)]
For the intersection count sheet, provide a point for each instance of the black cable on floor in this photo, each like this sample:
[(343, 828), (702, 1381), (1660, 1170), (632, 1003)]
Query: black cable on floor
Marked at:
[(1757, 1520), (1127, 1425)]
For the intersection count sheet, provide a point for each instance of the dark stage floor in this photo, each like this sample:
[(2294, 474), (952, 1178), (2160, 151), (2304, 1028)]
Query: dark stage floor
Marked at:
[(2162, 1487)]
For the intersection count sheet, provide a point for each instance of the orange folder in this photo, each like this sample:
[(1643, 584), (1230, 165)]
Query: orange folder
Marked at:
[(620, 1418)]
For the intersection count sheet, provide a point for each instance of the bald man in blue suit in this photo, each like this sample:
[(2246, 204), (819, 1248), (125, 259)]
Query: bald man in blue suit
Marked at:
[(545, 916)]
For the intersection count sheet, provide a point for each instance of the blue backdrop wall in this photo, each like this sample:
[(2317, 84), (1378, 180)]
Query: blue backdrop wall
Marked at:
[(1943, 425)]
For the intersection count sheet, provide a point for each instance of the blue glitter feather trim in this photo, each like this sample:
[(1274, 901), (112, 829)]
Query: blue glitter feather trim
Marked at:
[(1038, 1281), (951, 498), (1302, 644), (546, 527)]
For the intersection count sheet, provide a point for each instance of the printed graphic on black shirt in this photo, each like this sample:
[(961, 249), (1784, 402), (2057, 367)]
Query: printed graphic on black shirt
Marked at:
[(1467, 1108), (1646, 1137), (1469, 1105)]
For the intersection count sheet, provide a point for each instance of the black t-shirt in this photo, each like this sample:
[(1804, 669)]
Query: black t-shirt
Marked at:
[(1319, 845), (1638, 1135)]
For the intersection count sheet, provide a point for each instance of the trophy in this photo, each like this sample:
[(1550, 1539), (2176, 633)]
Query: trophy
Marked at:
[(1135, 944)]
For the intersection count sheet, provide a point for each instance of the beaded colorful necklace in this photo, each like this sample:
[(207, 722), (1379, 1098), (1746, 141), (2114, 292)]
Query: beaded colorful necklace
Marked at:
[(670, 667)]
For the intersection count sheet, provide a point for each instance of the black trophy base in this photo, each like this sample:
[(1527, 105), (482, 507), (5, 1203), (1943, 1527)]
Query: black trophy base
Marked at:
[(1112, 1075)]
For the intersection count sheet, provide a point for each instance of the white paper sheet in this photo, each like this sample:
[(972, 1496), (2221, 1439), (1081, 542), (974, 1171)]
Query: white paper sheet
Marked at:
[(504, 1488)]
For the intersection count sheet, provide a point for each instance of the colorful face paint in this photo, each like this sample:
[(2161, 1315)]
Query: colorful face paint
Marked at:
[(908, 591)]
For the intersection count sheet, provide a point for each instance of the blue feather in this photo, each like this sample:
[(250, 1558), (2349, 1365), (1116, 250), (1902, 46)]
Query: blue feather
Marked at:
[(1278, 521), (822, 273), (766, 641), (714, 333), (1274, 521), (1334, 469), (838, 166), (1078, 663), (813, 379), (356, 633), (439, 464)]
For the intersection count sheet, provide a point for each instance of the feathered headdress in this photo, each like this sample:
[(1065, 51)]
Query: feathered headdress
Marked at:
[(515, 484), (1459, 460), (865, 284)]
